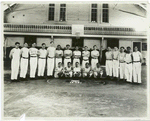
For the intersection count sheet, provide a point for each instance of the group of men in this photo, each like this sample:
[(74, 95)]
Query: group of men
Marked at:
[(59, 62)]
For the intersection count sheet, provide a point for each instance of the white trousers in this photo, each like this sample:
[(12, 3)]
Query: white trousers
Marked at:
[(122, 70), (14, 68), (66, 61), (115, 68), (50, 66), (84, 62), (33, 66), (128, 72), (93, 63), (41, 66), (76, 60), (57, 61), (23, 67), (109, 67), (137, 72)]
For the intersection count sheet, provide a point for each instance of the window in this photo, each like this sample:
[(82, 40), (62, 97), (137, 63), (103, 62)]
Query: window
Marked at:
[(62, 12), (51, 12), (105, 13), (94, 13)]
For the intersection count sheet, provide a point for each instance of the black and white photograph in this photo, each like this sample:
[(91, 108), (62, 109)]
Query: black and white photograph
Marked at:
[(75, 59)]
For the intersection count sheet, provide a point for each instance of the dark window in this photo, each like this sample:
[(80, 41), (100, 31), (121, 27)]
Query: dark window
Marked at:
[(94, 13), (144, 46), (62, 12), (105, 15), (51, 12)]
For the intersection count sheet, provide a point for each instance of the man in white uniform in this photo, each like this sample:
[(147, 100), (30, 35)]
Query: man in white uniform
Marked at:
[(109, 66), (87, 71), (33, 60), (76, 56), (85, 55), (94, 55), (115, 63), (42, 61), (50, 59), (77, 70), (15, 59), (58, 55), (122, 63), (137, 60), (128, 66), (67, 55), (24, 61)]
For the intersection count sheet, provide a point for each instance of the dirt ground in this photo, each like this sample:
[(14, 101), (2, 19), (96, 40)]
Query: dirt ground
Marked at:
[(59, 98)]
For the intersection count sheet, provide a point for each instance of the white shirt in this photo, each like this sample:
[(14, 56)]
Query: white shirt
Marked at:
[(136, 56), (97, 69), (77, 69), (15, 53), (68, 68), (128, 58), (51, 51), (95, 53), (33, 52), (108, 55), (115, 54), (59, 69), (121, 56), (59, 52), (77, 53), (87, 69), (67, 52), (25, 52), (43, 53), (85, 55)]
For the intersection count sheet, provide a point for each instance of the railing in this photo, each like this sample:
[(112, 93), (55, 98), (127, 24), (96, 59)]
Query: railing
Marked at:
[(113, 31), (62, 29)]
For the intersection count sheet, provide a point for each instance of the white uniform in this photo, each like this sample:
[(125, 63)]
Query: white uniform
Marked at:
[(97, 71), (68, 71), (15, 63), (115, 63), (50, 60), (122, 65), (77, 70), (76, 53), (33, 61), (109, 65), (42, 62), (67, 58), (86, 71), (59, 52), (128, 67), (85, 60), (137, 67), (57, 71), (94, 60), (24, 62)]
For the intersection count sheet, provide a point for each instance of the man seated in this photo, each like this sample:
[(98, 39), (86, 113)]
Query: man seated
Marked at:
[(87, 72), (59, 71), (77, 70), (68, 70), (97, 71)]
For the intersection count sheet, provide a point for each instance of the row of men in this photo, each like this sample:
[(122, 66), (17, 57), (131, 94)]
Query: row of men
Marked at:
[(128, 62)]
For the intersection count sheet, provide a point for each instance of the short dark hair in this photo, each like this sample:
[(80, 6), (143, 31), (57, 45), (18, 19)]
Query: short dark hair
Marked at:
[(85, 46), (59, 63), (17, 43), (122, 47), (128, 47), (43, 44), (94, 46), (67, 45), (68, 63), (86, 63), (58, 46)]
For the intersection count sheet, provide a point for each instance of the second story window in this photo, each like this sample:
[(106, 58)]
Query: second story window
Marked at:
[(51, 12), (105, 13), (62, 12), (94, 13)]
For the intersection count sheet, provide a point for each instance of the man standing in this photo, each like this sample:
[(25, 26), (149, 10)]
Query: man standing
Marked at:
[(15, 58), (58, 55), (109, 66), (128, 66), (94, 55), (67, 55), (115, 63), (42, 60), (33, 60), (137, 60), (86, 55), (76, 56), (51, 59), (122, 63), (24, 61)]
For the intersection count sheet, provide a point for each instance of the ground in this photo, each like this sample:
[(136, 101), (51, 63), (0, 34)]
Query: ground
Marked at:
[(59, 98)]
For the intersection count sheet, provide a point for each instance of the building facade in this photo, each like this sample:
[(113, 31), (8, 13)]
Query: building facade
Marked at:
[(76, 23)]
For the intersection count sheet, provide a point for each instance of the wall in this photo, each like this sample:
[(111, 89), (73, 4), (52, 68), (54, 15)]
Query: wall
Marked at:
[(10, 41), (38, 14), (62, 41), (91, 42), (40, 40)]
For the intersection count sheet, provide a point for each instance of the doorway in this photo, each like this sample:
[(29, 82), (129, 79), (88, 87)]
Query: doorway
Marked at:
[(112, 42), (138, 44), (77, 42)]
